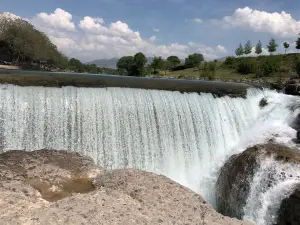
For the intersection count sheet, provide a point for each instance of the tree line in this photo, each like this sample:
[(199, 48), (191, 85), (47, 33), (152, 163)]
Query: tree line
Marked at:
[(271, 46), (138, 64)]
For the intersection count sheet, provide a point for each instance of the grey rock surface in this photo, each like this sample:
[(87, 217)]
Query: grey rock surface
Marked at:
[(59, 187)]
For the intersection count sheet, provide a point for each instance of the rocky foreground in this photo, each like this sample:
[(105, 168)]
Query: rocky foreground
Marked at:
[(58, 187)]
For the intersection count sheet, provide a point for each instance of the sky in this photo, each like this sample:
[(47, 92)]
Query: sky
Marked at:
[(96, 29)]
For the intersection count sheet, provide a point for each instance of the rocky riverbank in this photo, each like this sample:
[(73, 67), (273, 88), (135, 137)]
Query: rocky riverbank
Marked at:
[(58, 187)]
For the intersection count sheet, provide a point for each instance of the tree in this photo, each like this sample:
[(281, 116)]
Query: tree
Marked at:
[(157, 64), (27, 44), (140, 61), (248, 48), (240, 50), (125, 65), (194, 60), (298, 43), (286, 46), (173, 61), (272, 46), (258, 48), (167, 65), (76, 65)]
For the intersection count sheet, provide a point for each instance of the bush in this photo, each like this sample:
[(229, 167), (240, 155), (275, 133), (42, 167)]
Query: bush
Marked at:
[(298, 67), (268, 67), (230, 61), (177, 68), (246, 66)]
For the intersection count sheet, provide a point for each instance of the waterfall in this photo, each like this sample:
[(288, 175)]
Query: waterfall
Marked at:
[(186, 137), (272, 183)]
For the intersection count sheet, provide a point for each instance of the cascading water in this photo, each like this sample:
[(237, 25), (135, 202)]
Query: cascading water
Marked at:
[(272, 183), (186, 137)]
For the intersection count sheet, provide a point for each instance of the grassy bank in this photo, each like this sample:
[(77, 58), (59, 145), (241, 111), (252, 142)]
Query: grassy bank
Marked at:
[(277, 67)]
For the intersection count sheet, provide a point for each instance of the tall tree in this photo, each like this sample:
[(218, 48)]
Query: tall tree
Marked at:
[(174, 61), (240, 50), (298, 43), (125, 65), (140, 61), (272, 46), (286, 46), (28, 44), (258, 48), (194, 60), (248, 48), (157, 64)]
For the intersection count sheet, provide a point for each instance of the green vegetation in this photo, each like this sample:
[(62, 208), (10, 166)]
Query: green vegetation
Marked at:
[(286, 46), (240, 50), (258, 48), (272, 46), (248, 48), (23, 45)]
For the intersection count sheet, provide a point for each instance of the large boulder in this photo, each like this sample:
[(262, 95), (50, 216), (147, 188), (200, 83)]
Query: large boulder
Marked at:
[(239, 173), (289, 213), (59, 187)]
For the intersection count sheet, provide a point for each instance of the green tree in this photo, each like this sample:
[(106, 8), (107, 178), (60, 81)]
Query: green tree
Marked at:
[(173, 61), (272, 46), (140, 61), (248, 48), (258, 48), (286, 46), (194, 60), (125, 65), (298, 43), (27, 44), (157, 64), (76, 65), (167, 65), (240, 50)]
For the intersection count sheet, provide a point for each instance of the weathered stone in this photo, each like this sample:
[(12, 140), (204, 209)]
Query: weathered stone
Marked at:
[(263, 102), (234, 181), (89, 195), (289, 213)]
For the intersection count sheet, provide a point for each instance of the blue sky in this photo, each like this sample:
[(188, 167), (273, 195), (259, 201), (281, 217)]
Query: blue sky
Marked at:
[(164, 26)]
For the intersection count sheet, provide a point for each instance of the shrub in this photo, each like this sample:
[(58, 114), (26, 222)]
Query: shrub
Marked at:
[(298, 67), (269, 66), (246, 66), (177, 68), (230, 61)]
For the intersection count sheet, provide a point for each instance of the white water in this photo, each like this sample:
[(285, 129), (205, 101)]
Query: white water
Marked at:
[(186, 137), (272, 183)]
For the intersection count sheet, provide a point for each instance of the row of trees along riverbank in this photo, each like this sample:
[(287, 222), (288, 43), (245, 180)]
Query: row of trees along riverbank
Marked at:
[(271, 47)]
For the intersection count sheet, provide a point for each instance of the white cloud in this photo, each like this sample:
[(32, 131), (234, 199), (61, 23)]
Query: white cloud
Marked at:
[(60, 19), (221, 48), (153, 38), (279, 24), (156, 30), (208, 52), (93, 25), (95, 39), (197, 20)]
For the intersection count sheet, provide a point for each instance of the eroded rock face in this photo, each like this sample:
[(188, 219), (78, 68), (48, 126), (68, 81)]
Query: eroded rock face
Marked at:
[(273, 177), (289, 213), (58, 187)]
